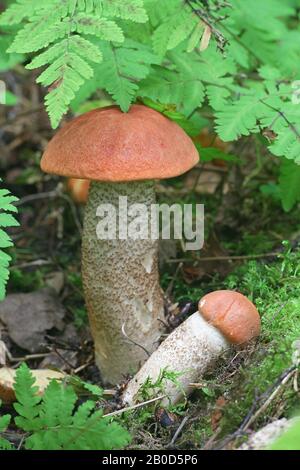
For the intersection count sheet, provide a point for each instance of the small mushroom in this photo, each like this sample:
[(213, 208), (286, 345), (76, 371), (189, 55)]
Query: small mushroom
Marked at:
[(224, 318), (122, 154), (78, 189)]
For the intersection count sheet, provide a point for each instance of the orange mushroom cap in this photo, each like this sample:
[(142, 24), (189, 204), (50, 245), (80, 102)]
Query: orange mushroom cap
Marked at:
[(232, 313), (109, 145), (79, 189)]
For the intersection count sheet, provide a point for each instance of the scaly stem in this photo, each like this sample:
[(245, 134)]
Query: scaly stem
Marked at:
[(121, 282)]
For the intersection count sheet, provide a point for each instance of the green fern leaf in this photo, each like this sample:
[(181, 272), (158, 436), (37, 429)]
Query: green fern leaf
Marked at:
[(100, 27), (289, 184), (4, 422), (67, 70), (121, 70), (174, 30), (44, 28), (287, 143), (54, 423), (185, 90), (133, 10), (20, 10), (239, 118), (6, 220)]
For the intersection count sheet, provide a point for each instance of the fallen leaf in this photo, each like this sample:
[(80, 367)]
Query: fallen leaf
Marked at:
[(218, 413), (28, 317)]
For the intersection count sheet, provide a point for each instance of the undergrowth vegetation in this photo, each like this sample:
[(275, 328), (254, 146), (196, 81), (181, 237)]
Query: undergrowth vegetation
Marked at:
[(227, 73)]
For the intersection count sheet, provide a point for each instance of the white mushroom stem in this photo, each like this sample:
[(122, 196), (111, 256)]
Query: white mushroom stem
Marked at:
[(190, 349), (120, 277)]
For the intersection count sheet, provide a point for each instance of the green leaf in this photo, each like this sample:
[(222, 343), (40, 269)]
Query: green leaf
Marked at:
[(239, 118), (121, 70), (54, 422), (131, 10), (6, 220), (4, 422), (289, 184)]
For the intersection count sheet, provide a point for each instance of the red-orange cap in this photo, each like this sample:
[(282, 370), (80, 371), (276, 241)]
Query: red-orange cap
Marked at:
[(109, 145), (79, 189), (232, 313)]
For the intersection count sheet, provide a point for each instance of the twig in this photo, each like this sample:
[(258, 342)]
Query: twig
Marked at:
[(171, 284), (222, 258), (266, 398), (37, 263), (134, 407), (265, 405), (134, 342), (28, 357), (178, 431)]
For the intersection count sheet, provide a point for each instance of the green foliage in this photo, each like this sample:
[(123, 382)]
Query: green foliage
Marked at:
[(6, 220), (290, 440), (4, 422), (146, 49), (289, 183), (66, 28), (275, 290), (56, 421)]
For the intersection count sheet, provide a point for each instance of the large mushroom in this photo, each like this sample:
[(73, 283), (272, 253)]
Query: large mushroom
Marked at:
[(224, 318), (122, 154)]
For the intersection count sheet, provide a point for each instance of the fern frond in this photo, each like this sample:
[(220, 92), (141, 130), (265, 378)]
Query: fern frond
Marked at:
[(20, 10), (6, 220), (121, 70), (133, 10), (289, 184), (174, 28), (54, 423), (4, 422), (68, 70), (100, 27), (168, 87), (287, 143), (45, 27), (239, 118)]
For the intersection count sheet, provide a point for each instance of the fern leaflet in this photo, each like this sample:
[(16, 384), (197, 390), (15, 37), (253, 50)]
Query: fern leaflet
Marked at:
[(6, 220)]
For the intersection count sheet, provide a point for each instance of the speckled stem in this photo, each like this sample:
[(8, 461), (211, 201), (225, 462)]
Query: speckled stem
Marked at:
[(190, 349), (121, 283)]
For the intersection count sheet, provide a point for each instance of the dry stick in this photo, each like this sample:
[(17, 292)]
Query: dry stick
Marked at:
[(37, 263), (266, 395), (134, 407), (269, 400), (52, 195), (174, 278), (178, 431), (222, 258)]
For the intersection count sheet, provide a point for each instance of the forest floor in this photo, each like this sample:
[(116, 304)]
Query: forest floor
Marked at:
[(251, 245)]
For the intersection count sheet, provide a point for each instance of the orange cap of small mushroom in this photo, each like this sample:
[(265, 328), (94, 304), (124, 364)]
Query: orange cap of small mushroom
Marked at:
[(109, 145), (79, 189), (232, 313)]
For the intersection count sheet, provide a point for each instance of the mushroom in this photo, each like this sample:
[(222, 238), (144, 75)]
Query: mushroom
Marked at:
[(79, 189), (224, 318), (122, 154)]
